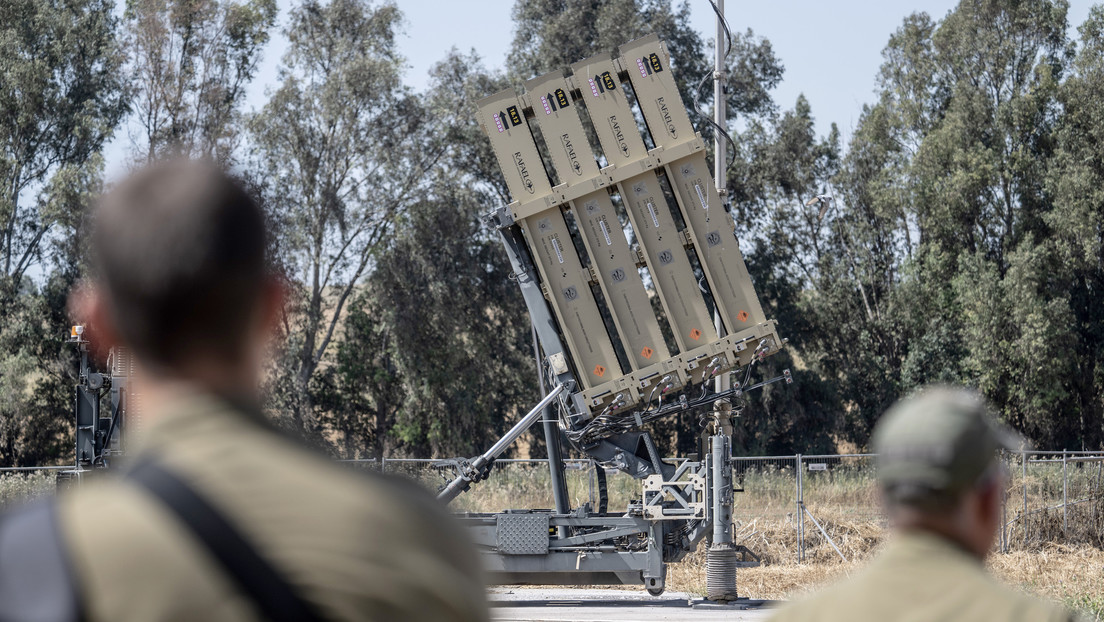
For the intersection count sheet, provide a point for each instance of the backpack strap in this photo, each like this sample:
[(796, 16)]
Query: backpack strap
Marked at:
[(275, 598), (36, 580)]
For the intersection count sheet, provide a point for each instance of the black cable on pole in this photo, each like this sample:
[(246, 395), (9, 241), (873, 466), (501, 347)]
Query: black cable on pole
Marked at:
[(724, 25), (706, 78)]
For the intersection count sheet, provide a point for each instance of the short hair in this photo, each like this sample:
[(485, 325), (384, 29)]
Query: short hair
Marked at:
[(179, 252)]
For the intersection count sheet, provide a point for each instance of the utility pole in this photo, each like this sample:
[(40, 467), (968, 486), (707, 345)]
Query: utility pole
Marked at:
[(719, 156), (719, 103)]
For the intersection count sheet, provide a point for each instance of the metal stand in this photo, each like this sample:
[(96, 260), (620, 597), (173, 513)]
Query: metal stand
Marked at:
[(720, 568)]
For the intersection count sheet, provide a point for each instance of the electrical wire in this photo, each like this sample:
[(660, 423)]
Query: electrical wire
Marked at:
[(709, 76), (724, 25), (607, 424)]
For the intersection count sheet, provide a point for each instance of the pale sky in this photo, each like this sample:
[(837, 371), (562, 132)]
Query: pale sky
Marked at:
[(830, 50)]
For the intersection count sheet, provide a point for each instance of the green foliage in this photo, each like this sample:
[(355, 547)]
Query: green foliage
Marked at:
[(363, 391), (550, 34), (780, 162), (1075, 181), (191, 61), (38, 368), (437, 344), (963, 244), (459, 342), (962, 226), (62, 96), (343, 146)]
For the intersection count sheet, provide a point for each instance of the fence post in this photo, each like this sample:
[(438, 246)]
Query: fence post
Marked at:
[(1023, 481), (800, 511), (1004, 509), (1065, 463), (383, 464)]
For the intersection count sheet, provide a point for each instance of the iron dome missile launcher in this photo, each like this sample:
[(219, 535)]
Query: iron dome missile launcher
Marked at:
[(608, 368)]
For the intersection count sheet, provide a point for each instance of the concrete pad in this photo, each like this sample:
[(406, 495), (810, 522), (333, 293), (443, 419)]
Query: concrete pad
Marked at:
[(601, 605)]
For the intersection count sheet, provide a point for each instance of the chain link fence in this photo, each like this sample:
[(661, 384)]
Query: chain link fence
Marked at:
[(1054, 496), (799, 507)]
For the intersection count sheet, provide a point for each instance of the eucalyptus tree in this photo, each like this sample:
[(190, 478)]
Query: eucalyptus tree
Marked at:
[(61, 97), (944, 184), (549, 34), (1075, 180), (190, 62), (458, 329), (434, 353), (345, 147)]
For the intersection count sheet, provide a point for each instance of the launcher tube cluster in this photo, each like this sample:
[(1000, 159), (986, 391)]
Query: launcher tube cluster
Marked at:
[(685, 239)]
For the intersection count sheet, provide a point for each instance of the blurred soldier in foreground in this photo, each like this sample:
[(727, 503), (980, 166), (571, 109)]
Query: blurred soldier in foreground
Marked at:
[(941, 484), (218, 516)]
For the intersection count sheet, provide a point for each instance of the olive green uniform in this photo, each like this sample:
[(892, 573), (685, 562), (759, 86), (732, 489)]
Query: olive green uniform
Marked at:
[(357, 547), (921, 577)]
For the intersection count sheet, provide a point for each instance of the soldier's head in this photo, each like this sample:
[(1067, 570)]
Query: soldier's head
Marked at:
[(180, 277), (938, 467)]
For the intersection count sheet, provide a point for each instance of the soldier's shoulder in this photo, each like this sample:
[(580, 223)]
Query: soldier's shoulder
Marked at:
[(1028, 607), (858, 599), (986, 594), (100, 495), (402, 489), (828, 604), (109, 512)]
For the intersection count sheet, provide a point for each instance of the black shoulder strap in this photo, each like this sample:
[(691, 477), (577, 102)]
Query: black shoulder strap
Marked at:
[(274, 596), (36, 581)]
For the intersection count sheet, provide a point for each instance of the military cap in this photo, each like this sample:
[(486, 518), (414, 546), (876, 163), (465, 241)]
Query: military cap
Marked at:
[(937, 443)]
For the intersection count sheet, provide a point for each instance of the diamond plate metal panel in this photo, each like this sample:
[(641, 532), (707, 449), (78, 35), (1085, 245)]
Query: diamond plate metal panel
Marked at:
[(522, 534)]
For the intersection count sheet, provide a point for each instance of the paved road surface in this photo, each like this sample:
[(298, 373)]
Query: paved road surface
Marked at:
[(594, 605)]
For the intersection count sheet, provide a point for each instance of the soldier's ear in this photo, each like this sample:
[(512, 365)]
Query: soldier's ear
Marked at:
[(273, 298), (88, 307)]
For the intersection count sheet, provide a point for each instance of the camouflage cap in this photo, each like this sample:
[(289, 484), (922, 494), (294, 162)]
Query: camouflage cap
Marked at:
[(937, 443)]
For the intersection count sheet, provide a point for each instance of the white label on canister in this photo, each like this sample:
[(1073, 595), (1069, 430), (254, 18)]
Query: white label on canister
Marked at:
[(556, 247), (701, 197), (605, 231), (655, 216)]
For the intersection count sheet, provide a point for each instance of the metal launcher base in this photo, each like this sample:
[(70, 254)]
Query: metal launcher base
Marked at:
[(612, 361)]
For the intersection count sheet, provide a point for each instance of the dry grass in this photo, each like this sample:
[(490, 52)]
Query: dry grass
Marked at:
[(18, 487), (1073, 576)]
